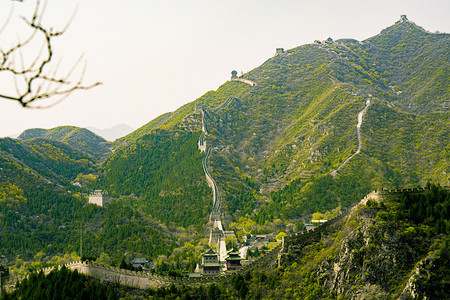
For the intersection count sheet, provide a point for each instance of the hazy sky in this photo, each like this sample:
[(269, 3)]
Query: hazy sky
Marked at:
[(155, 55)]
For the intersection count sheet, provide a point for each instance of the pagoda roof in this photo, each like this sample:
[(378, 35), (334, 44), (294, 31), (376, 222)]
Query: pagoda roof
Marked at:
[(210, 252), (233, 258), (233, 255), (233, 251)]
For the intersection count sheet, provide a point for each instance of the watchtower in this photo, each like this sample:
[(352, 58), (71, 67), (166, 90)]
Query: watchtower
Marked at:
[(98, 197), (279, 51), (403, 18), (210, 264), (234, 74)]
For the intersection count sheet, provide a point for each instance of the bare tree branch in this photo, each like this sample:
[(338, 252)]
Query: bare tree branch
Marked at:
[(39, 78)]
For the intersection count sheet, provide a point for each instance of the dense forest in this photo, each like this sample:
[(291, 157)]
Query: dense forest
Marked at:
[(164, 171), (60, 284)]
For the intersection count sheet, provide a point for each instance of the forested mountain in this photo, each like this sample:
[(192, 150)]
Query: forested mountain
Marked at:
[(290, 145), (79, 138), (324, 125), (44, 217), (164, 170), (47, 159), (394, 247)]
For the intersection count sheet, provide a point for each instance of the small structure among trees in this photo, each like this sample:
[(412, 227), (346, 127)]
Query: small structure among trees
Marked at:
[(210, 264), (98, 197), (142, 263)]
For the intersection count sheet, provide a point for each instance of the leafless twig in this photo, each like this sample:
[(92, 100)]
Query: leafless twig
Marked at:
[(39, 80)]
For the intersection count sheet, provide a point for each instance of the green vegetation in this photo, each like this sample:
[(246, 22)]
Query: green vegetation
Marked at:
[(39, 217), (431, 209), (164, 170), (274, 148), (278, 144), (55, 161), (60, 284), (78, 138), (374, 255)]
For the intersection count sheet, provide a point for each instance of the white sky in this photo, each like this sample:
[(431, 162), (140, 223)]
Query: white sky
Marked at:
[(155, 55)]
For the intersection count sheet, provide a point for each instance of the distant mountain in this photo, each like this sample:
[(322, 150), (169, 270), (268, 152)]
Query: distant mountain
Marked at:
[(49, 160), (32, 133), (79, 138), (113, 133)]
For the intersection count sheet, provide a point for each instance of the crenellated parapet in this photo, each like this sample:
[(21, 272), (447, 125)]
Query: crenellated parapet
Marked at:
[(225, 104), (388, 194), (294, 243)]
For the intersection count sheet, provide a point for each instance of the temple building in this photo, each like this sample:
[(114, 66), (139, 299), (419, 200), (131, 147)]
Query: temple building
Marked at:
[(233, 260), (210, 264)]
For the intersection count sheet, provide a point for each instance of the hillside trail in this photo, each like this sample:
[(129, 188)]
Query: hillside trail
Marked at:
[(358, 133)]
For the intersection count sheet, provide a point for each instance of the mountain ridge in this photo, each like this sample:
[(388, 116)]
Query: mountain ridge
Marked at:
[(274, 148), (79, 138), (298, 123)]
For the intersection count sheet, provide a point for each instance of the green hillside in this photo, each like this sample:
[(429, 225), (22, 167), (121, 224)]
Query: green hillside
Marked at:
[(386, 248), (325, 124), (279, 147), (41, 219), (164, 170), (53, 161), (79, 138)]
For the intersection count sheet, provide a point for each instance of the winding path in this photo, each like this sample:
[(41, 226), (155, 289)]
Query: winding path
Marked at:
[(358, 133)]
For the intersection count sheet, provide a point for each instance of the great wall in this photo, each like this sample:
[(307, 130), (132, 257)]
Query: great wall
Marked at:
[(246, 81), (280, 255), (217, 231)]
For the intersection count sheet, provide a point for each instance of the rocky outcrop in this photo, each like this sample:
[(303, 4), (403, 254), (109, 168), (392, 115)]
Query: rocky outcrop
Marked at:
[(372, 254)]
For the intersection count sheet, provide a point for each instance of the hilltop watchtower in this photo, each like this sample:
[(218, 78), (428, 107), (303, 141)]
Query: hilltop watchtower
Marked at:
[(98, 197), (234, 74), (279, 51), (403, 18)]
